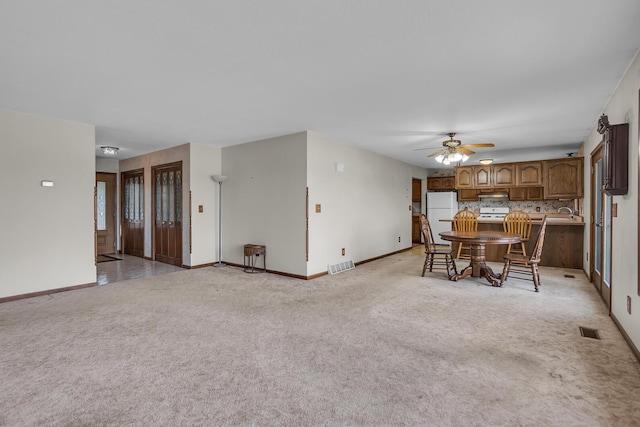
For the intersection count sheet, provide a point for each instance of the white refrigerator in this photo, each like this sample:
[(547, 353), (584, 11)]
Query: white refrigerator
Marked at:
[(441, 205)]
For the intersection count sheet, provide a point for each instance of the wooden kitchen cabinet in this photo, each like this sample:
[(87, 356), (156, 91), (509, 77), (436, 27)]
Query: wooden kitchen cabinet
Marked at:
[(504, 175), (416, 190), (464, 177), (526, 193), (441, 183), (529, 174), (415, 229), (467, 195), (563, 178), (482, 176)]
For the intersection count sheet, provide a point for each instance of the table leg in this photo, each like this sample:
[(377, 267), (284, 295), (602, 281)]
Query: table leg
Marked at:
[(478, 266)]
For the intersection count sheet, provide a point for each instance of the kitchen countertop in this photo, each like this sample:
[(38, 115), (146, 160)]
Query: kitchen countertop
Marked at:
[(552, 219)]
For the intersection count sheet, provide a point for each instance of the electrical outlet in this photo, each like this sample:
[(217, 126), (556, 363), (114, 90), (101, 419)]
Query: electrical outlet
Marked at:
[(628, 304), (398, 239), (343, 252)]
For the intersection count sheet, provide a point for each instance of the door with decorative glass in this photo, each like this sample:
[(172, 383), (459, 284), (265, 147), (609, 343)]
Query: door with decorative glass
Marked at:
[(167, 195), (105, 212), (600, 252), (133, 213)]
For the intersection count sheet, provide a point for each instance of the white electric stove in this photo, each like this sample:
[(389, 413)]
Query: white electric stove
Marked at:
[(493, 213)]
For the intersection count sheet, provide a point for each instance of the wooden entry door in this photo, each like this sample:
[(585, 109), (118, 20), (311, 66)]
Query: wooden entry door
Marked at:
[(133, 213), (105, 211), (600, 259), (167, 191)]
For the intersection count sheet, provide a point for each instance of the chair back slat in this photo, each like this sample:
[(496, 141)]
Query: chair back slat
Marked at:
[(427, 234), (465, 220), (518, 222)]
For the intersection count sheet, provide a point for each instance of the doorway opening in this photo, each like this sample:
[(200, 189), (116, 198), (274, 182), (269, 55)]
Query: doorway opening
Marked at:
[(105, 213)]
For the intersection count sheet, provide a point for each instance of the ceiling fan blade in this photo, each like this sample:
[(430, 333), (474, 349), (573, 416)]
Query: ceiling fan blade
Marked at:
[(466, 151), (435, 153), (478, 145)]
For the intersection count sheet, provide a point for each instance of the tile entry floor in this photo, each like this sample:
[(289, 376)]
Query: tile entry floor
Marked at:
[(130, 267)]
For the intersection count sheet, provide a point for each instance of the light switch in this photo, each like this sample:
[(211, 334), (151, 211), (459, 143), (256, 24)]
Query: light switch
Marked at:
[(200, 208), (318, 208)]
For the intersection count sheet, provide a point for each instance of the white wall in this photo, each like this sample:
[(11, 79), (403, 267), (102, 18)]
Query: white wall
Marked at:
[(264, 201), (363, 209), (157, 158), (47, 233), (205, 162), (622, 108)]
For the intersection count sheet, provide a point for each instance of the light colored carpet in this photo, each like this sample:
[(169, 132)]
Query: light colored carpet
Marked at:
[(378, 345)]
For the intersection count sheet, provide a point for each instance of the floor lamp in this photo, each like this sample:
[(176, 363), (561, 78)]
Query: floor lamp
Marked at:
[(219, 179)]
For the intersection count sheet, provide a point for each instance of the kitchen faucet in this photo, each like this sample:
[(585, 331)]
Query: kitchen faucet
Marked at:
[(567, 208)]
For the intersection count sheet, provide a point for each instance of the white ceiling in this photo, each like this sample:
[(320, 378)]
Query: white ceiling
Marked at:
[(531, 76)]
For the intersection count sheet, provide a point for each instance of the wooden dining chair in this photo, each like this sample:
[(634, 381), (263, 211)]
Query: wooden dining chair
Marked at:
[(435, 257), (518, 222), (465, 220), (525, 267)]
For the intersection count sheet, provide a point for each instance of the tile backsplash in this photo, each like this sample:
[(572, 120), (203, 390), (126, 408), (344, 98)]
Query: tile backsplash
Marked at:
[(546, 206)]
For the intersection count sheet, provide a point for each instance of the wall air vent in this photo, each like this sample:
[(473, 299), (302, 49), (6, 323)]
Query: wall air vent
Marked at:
[(340, 267)]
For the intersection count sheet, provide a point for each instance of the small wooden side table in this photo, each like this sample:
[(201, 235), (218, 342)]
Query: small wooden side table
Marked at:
[(251, 253)]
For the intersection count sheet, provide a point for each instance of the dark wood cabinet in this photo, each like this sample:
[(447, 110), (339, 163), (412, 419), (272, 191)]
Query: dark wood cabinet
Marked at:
[(563, 178), (616, 160), (504, 175), (529, 174), (441, 183)]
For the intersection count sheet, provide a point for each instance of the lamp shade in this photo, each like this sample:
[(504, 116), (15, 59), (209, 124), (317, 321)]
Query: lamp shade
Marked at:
[(219, 178)]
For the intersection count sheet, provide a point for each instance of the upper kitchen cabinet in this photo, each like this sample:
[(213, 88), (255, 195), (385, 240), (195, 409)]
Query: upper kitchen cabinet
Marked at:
[(482, 176), (563, 178), (504, 175), (441, 183), (529, 174), (464, 177)]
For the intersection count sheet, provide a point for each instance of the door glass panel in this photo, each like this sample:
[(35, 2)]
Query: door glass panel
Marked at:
[(172, 198), (158, 198), (165, 198), (102, 206), (178, 196), (598, 218), (606, 235)]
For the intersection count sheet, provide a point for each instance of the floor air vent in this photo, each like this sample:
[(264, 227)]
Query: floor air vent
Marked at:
[(589, 333), (569, 276), (340, 267)]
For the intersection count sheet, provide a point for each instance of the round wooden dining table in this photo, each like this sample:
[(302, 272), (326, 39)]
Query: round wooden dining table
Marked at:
[(478, 241)]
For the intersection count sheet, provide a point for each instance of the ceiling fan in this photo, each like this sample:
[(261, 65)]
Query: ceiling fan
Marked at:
[(453, 150)]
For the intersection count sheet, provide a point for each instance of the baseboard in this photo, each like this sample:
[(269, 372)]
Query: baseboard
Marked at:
[(626, 337), (383, 256), (191, 267), (322, 273), (47, 292)]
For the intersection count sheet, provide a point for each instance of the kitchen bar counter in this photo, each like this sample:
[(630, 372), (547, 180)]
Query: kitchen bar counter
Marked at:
[(562, 245)]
